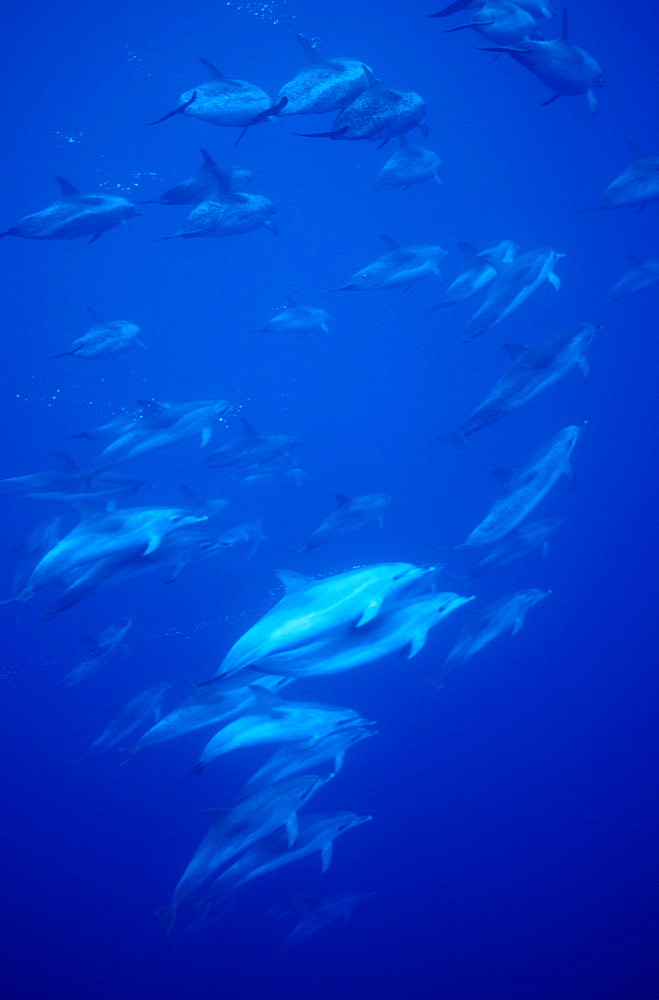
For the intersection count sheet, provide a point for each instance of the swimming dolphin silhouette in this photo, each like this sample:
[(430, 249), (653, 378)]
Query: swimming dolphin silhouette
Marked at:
[(74, 215)]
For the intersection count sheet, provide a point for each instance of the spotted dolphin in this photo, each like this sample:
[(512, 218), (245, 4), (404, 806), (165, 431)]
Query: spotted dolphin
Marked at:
[(379, 113), (563, 67), (399, 267), (220, 101), (407, 166), (105, 340), (201, 185), (226, 212), (74, 215)]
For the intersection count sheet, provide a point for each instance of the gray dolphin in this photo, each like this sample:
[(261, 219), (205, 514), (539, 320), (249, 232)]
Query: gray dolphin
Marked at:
[(138, 712), (515, 281), (502, 23), (226, 212), (350, 514), (316, 911), (518, 543), (105, 340), (160, 426), (400, 266), (407, 166), (641, 274), (294, 318), (98, 651), (526, 487), (635, 187), (220, 101), (478, 273), (378, 113), (488, 624), (236, 829), (202, 184), (533, 369), (538, 8), (252, 449), (74, 215), (69, 483), (562, 66), (303, 757)]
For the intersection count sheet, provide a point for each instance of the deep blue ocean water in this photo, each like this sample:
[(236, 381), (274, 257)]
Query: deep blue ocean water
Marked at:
[(512, 850)]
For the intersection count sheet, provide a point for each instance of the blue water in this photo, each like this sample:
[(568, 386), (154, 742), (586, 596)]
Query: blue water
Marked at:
[(512, 850)]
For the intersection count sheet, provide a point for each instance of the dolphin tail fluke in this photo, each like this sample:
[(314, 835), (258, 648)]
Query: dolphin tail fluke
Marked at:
[(458, 438), (8, 232), (452, 8), (324, 135), (177, 111), (545, 104), (272, 112), (166, 915)]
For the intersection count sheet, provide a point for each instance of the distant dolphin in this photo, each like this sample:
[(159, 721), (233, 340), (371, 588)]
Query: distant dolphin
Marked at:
[(538, 8), (202, 184), (562, 66), (635, 187), (642, 274), (408, 165), (400, 266), (294, 318), (74, 215), (502, 23), (478, 273), (378, 113), (105, 340), (220, 101)]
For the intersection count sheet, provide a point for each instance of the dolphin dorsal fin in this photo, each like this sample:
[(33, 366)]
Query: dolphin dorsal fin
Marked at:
[(64, 463), (248, 429), (468, 249), (514, 350), (372, 82), (68, 190), (212, 71), (290, 303), (388, 242), (565, 31), (208, 163), (637, 152), (266, 701), (309, 48), (94, 315), (635, 259), (89, 512), (342, 500), (149, 406), (503, 475), (293, 581)]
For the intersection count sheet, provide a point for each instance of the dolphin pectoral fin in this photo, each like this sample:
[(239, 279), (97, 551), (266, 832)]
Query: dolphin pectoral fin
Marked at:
[(95, 237), (517, 625), (584, 367), (417, 643), (177, 111), (370, 611), (166, 915), (270, 226), (338, 761), (325, 857), (324, 135), (545, 104), (384, 142), (205, 437), (554, 280), (154, 543), (592, 102), (291, 830)]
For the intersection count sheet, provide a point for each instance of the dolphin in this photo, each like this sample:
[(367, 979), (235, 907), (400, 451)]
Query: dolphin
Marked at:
[(42, 539), (377, 113), (238, 828), (517, 543), (478, 273), (321, 86), (515, 281), (641, 274), (407, 166), (74, 215), (403, 628), (562, 66), (207, 705), (69, 483), (316, 911), (100, 534), (138, 712), (294, 318), (316, 832), (226, 212), (220, 101), (400, 266), (312, 608), (160, 426), (273, 720), (349, 515), (532, 370), (526, 487), (252, 449), (261, 475), (490, 623), (202, 184), (538, 8), (98, 651), (635, 187), (502, 23), (105, 340), (300, 758)]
